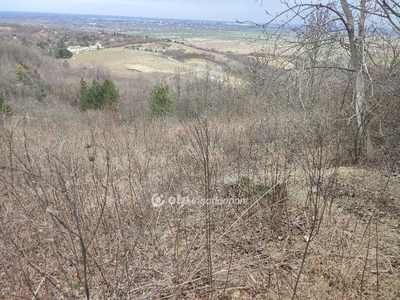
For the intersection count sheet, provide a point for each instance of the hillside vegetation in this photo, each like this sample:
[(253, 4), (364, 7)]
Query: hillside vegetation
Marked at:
[(91, 194)]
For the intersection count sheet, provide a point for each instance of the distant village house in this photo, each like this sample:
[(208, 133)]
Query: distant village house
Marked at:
[(77, 49)]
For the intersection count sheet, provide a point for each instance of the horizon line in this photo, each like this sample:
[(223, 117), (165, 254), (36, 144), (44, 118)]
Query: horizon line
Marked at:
[(126, 16)]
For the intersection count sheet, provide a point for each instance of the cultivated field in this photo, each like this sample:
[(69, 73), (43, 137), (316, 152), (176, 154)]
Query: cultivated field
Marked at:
[(239, 46), (128, 62), (203, 53)]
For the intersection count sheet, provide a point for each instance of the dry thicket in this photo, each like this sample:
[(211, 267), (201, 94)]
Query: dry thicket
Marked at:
[(78, 222)]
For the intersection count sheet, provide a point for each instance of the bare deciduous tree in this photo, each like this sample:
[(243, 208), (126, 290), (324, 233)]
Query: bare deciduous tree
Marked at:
[(346, 24)]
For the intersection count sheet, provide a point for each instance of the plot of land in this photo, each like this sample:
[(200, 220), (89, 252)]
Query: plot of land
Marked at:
[(240, 47), (128, 62)]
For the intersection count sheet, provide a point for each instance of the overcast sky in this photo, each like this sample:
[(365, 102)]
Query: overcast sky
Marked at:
[(223, 10)]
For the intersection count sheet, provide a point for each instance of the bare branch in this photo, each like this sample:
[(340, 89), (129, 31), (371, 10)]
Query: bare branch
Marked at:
[(391, 12)]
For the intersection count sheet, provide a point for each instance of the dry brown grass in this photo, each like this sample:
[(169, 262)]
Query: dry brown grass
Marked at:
[(75, 207)]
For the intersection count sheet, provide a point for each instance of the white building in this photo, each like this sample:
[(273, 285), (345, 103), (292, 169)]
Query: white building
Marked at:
[(77, 49)]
